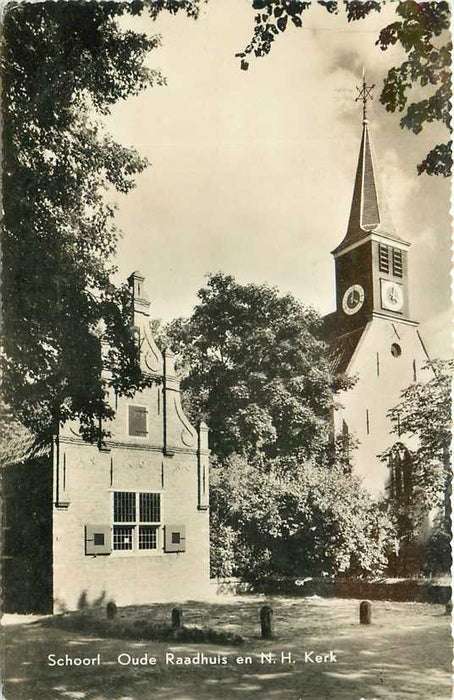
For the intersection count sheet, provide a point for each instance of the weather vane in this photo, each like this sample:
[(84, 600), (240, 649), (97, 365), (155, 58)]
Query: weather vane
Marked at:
[(364, 94)]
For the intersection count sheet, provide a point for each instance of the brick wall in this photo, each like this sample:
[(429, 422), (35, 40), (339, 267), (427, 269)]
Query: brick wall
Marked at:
[(91, 477), (169, 457)]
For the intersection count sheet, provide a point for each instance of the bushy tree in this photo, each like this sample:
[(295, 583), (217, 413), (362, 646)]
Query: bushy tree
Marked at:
[(283, 500), (424, 415), (64, 64), (437, 553), (423, 418), (308, 520), (420, 28), (256, 370)]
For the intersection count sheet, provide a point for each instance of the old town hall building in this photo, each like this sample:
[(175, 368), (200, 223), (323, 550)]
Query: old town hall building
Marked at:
[(124, 521), (372, 334)]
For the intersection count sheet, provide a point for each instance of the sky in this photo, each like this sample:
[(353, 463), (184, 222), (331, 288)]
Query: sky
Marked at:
[(251, 173)]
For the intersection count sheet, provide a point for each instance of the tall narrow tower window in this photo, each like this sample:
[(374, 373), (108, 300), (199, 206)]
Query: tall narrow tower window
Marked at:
[(383, 258), (397, 262)]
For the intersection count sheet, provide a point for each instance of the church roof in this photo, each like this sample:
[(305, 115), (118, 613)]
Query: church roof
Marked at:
[(368, 212), (342, 348)]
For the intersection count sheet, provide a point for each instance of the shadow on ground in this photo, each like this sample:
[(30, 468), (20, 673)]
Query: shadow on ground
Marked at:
[(404, 653)]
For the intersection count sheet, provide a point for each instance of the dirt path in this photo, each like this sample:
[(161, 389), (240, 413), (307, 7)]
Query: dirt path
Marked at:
[(406, 653)]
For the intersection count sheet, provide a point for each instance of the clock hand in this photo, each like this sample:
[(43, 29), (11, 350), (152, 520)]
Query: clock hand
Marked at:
[(353, 298)]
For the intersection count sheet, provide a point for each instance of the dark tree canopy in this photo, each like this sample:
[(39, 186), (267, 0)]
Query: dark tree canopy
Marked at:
[(256, 369), (65, 63), (421, 28)]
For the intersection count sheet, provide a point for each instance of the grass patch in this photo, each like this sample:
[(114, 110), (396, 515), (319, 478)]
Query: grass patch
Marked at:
[(93, 622)]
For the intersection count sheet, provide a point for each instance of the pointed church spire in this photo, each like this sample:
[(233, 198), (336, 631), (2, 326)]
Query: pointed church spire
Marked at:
[(365, 211), (368, 211)]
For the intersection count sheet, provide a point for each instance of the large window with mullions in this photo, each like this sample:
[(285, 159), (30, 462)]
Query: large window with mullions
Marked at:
[(136, 521)]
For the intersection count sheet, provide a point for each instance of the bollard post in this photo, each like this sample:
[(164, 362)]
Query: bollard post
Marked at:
[(177, 618), (266, 621), (111, 610), (365, 613)]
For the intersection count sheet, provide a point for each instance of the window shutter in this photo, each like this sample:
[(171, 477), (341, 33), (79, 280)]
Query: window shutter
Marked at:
[(137, 421), (383, 258), (175, 538), (97, 539), (397, 263)]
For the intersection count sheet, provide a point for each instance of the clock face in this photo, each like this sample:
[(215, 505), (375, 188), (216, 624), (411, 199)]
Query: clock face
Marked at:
[(392, 295), (353, 299)]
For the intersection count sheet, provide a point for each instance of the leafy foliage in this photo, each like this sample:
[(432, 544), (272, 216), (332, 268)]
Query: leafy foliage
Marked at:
[(423, 416), (255, 370), (283, 500), (437, 557), (420, 29), (307, 520), (64, 64), (423, 419), (428, 64)]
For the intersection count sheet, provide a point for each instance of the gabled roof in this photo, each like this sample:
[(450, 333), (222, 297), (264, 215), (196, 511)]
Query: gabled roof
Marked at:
[(17, 443), (19, 450), (368, 211)]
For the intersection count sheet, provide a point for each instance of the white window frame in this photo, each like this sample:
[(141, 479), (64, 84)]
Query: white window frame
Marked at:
[(136, 524), (147, 409)]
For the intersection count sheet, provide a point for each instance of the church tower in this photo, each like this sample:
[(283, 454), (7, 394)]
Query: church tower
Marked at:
[(371, 261), (371, 334)]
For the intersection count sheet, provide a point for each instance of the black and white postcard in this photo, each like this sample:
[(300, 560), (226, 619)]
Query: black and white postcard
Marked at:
[(225, 402)]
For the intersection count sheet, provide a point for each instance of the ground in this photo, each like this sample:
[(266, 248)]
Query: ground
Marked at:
[(405, 653)]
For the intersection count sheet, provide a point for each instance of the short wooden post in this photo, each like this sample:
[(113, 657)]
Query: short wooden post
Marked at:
[(177, 618), (111, 610), (266, 621), (365, 613), (448, 607)]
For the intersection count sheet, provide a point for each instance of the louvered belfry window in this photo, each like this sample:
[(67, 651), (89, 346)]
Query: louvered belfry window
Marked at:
[(137, 418), (383, 258), (397, 263)]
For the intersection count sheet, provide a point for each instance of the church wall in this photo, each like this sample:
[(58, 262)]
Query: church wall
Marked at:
[(381, 378)]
